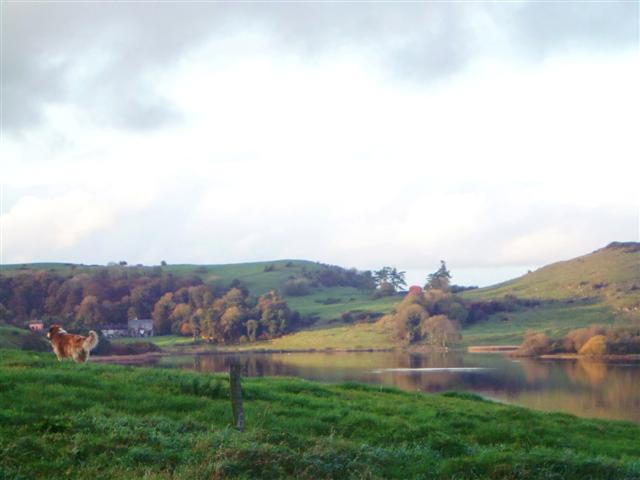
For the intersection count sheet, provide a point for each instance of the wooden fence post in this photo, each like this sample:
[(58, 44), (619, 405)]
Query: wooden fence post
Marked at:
[(236, 394)]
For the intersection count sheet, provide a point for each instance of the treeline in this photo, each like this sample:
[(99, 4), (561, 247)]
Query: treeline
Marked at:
[(89, 298), (328, 276), (593, 341)]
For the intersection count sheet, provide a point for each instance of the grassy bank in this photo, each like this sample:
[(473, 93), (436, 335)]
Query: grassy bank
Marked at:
[(105, 421), (556, 319), (359, 336)]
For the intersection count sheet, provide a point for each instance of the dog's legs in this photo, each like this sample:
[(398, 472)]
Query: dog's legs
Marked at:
[(81, 356)]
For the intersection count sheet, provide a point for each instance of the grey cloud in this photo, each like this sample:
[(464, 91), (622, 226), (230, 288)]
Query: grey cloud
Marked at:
[(98, 56)]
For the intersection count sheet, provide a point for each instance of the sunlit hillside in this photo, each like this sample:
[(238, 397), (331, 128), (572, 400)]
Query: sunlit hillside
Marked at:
[(610, 275)]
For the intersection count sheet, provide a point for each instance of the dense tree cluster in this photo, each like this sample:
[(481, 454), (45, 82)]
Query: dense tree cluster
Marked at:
[(431, 317), (328, 276), (89, 298)]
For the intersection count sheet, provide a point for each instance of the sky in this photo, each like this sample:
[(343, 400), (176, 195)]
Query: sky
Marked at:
[(496, 136)]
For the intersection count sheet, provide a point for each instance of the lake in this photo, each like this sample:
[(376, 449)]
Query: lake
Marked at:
[(583, 387)]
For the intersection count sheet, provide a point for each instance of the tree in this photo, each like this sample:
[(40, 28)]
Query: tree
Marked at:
[(381, 276), (162, 314), (440, 331), (388, 280), (252, 329), (89, 312), (440, 279), (396, 279), (408, 320)]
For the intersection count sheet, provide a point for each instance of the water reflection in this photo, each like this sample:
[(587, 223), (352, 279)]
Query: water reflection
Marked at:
[(582, 387)]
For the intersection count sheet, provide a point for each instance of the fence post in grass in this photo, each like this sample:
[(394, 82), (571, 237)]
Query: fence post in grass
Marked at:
[(236, 394)]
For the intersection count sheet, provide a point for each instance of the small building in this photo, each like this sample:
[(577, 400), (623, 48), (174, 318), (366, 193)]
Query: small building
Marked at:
[(140, 328), (114, 330), (36, 326)]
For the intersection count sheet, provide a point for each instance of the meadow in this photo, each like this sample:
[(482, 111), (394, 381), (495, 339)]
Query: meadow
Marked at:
[(106, 421)]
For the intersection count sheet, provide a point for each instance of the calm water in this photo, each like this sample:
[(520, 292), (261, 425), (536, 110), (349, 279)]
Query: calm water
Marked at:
[(587, 388)]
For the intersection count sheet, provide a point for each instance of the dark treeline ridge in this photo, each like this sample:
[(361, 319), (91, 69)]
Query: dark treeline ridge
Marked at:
[(327, 276), (91, 297)]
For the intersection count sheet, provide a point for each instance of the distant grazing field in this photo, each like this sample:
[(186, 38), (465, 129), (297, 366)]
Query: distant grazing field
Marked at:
[(602, 288), (60, 421), (508, 328), (330, 303)]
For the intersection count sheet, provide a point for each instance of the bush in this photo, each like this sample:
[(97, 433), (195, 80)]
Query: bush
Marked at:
[(623, 340), (385, 290), (576, 339), (596, 345), (297, 287), (535, 343)]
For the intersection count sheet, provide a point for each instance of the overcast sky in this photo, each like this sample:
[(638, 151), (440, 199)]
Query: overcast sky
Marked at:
[(497, 136)]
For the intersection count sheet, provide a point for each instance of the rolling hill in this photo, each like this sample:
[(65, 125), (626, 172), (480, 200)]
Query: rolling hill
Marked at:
[(602, 287)]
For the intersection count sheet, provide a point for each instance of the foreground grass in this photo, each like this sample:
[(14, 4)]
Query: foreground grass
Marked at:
[(105, 421)]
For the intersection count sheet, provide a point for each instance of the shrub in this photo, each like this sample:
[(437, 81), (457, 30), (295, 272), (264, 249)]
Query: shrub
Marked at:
[(297, 287), (623, 340), (384, 290), (408, 320), (576, 339), (535, 343), (596, 345), (439, 330)]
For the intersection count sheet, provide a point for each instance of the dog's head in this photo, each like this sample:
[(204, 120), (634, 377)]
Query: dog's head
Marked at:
[(55, 329)]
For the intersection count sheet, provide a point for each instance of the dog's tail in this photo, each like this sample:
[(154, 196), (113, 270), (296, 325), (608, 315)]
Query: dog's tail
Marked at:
[(91, 341)]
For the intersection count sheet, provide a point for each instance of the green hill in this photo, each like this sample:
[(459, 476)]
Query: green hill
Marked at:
[(325, 303), (602, 287), (259, 277)]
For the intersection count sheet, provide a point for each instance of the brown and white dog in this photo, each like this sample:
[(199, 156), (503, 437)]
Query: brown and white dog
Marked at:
[(69, 345)]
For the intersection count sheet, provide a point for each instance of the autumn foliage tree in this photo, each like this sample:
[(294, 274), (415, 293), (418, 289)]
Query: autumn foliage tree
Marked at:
[(90, 297)]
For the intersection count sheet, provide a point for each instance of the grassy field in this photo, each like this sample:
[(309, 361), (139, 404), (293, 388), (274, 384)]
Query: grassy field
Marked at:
[(105, 421), (11, 337), (556, 319), (340, 337), (344, 299), (343, 337)]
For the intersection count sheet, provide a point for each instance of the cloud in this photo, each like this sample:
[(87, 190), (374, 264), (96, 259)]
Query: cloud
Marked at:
[(350, 134), (104, 57)]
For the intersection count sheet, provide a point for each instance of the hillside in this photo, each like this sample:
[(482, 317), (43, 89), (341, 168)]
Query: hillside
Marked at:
[(259, 277), (610, 274), (105, 421), (324, 303), (602, 287)]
